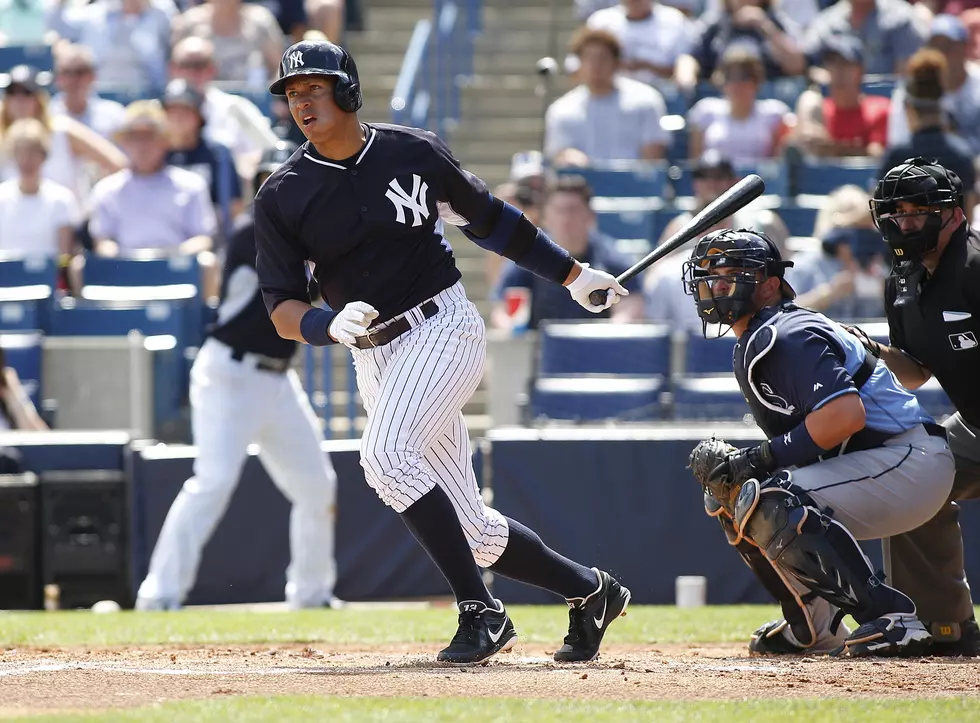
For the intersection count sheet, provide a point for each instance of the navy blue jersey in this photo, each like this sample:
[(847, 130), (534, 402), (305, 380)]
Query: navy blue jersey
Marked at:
[(242, 321), (792, 361), (372, 224), (552, 301)]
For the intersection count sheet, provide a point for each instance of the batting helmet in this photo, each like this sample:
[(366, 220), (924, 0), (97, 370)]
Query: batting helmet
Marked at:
[(748, 257), (272, 158), (321, 57), (929, 186)]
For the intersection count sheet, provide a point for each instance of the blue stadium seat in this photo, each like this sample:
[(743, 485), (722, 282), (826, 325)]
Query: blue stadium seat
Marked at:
[(663, 217), (822, 177), (708, 356), (80, 318), (785, 89), (102, 271), (586, 399), (28, 271), (628, 180), (40, 56), (708, 397), (260, 97), (934, 400), (602, 348), (676, 99), (883, 85), (23, 352), (21, 315), (773, 171), (627, 224), (798, 219)]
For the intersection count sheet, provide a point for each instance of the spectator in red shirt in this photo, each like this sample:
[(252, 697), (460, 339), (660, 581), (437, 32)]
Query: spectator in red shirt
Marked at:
[(846, 122)]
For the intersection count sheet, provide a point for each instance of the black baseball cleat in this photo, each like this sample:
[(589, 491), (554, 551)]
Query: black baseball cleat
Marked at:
[(482, 632), (966, 645), (589, 617), (897, 635)]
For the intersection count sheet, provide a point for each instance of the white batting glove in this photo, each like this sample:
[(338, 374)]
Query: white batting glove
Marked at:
[(588, 281), (351, 322)]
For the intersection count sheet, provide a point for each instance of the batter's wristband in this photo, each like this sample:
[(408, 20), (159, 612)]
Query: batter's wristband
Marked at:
[(313, 327), (795, 448)]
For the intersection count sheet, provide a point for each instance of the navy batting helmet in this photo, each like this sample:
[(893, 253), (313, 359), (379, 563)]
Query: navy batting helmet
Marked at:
[(929, 187), (748, 258), (321, 57)]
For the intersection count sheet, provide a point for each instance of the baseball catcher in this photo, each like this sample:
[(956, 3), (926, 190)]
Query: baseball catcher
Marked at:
[(850, 455)]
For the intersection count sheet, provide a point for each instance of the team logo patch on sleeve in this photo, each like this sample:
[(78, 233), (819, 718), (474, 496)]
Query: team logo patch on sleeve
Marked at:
[(963, 340)]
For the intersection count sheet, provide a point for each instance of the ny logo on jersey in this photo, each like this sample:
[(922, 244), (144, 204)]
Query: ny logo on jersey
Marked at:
[(414, 202), (295, 59)]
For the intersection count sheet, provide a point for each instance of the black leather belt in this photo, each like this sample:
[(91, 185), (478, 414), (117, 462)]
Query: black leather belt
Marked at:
[(262, 362), (395, 329)]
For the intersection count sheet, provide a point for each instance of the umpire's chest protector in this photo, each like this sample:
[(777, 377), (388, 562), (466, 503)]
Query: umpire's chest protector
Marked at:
[(769, 404)]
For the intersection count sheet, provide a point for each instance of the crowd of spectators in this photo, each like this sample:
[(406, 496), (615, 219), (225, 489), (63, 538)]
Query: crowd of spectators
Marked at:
[(144, 135), (726, 59)]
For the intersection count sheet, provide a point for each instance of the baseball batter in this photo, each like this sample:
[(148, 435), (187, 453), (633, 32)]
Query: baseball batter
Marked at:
[(850, 455), (366, 203), (244, 392)]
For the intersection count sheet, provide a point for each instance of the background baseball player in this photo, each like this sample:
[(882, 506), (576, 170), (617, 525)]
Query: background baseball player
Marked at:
[(933, 305), (244, 392), (365, 203), (850, 455)]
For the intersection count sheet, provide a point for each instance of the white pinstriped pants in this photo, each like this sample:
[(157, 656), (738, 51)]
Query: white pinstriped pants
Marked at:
[(414, 390)]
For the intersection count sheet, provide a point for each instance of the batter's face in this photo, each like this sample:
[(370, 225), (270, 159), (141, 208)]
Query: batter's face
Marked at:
[(312, 106)]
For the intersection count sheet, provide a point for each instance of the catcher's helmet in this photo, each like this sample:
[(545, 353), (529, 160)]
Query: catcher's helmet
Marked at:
[(321, 57), (927, 184), (748, 257), (272, 158)]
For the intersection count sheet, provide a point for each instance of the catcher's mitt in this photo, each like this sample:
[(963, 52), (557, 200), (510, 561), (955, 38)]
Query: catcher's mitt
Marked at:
[(710, 456)]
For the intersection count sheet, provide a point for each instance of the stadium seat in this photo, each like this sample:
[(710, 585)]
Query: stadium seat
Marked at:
[(20, 316), (714, 396), (883, 85), (627, 224), (102, 271), (17, 270), (634, 179), (934, 399), (23, 352), (676, 99), (600, 348), (590, 399), (799, 219), (81, 318), (822, 177), (708, 356), (774, 172), (40, 56)]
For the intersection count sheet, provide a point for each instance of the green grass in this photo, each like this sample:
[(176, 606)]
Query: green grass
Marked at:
[(536, 624), (422, 710)]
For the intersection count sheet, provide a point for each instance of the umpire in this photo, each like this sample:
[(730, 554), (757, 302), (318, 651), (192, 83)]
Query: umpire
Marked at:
[(932, 300)]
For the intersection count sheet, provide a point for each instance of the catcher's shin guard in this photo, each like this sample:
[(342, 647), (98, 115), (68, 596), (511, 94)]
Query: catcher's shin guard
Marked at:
[(814, 549)]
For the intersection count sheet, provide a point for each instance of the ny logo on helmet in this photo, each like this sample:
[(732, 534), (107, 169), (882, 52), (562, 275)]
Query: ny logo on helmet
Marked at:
[(295, 59), (414, 202)]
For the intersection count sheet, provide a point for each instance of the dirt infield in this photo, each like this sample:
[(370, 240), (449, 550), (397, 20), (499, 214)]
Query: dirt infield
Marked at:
[(83, 678)]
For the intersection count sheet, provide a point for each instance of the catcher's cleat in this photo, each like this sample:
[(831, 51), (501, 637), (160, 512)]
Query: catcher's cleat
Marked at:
[(482, 632), (897, 635), (776, 638), (589, 617)]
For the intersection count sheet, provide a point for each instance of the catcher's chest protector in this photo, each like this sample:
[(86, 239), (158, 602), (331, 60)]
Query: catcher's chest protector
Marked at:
[(773, 412)]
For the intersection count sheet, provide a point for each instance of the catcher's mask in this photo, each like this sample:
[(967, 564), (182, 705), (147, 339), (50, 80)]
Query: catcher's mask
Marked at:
[(724, 270), (927, 185)]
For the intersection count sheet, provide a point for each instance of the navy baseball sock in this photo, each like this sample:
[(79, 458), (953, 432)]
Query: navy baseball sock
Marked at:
[(432, 519), (527, 559)]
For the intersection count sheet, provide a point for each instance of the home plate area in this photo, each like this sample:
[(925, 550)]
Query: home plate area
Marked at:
[(89, 678)]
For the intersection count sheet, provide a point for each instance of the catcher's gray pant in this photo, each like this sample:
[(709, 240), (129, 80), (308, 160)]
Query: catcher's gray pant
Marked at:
[(926, 563), (880, 492)]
